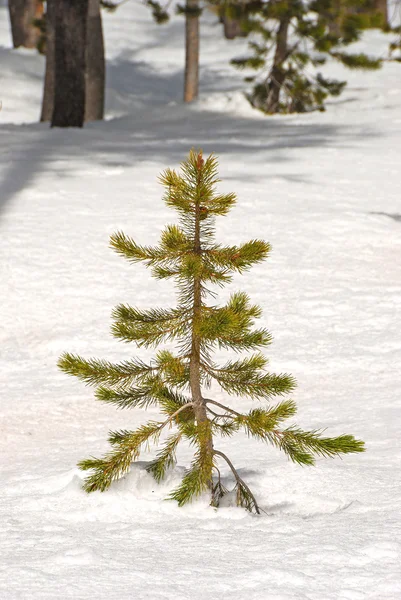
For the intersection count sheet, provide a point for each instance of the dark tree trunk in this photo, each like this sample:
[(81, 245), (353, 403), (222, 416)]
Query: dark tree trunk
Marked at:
[(22, 16), (48, 89), (277, 74), (95, 67), (70, 49), (191, 82)]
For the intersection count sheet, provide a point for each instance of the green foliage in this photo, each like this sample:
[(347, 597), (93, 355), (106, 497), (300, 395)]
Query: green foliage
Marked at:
[(165, 458), (126, 448), (94, 371), (159, 14), (288, 38), (251, 62), (198, 477), (190, 11), (358, 61), (109, 6), (175, 381)]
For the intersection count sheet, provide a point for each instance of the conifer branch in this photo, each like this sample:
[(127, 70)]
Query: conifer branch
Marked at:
[(170, 400), (238, 258), (140, 397), (148, 328), (261, 422), (301, 446), (176, 413), (116, 463), (165, 458), (198, 478), (95, 371), (256, 386)]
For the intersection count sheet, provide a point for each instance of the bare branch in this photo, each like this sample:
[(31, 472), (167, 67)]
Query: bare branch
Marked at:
[(238, 478), (214, 414), (234, 412)]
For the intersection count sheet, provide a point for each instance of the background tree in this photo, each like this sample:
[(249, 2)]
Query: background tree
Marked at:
[(191, 75), (94, 64), (23, 17), (178, 383), (71, 17), (231, 16), (290, 39), (192, 11), (48, 86), (376, 10)]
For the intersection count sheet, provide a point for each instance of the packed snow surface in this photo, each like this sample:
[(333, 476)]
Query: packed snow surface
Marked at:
[(325, 190)]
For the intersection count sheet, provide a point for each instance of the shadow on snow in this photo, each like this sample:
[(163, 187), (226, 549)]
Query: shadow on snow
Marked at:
[(158, 128)]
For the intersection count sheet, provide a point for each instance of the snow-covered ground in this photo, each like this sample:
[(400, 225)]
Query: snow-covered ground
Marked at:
[(325, 190)]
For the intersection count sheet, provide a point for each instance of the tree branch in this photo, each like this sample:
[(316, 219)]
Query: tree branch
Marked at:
[(215, 414), (238, 478), (234, 412), (177, 412)]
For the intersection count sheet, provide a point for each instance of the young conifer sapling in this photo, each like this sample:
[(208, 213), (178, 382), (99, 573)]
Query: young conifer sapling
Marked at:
[(178, 383)]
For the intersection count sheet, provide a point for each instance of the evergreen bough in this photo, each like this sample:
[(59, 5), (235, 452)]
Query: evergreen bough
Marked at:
[(177, 383), (291, 39)]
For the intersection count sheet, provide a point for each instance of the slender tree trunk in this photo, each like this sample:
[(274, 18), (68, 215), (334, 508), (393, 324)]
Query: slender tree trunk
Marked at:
[(95, 66), (70, 44), (194, 366), (48, 88), (191, 82), (22, 15), (277, 74)]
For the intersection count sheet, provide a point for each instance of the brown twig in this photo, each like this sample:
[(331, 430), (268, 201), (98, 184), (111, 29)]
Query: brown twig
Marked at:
[(234, 412), (238, 478)]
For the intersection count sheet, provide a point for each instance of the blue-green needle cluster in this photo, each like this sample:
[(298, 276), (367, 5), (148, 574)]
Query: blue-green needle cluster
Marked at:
[(178, 383)]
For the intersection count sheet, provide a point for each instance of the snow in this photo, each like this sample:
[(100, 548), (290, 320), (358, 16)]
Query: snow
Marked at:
[(325, 190)]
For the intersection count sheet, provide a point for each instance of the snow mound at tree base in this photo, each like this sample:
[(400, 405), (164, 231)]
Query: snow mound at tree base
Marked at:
[(139, 493)]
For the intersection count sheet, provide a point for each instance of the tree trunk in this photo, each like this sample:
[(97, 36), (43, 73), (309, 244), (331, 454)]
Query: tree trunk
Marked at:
[(191, 82), (70, 44), (22, 16), (277, 74), (48, 88), (95, 67), (206, 444)]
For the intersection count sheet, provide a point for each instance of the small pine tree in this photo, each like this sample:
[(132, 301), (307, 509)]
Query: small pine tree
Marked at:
[(177, 382)]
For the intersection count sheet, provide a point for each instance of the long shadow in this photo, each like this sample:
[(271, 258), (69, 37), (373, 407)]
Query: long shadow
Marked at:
[(158, 128), (394, 216)]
